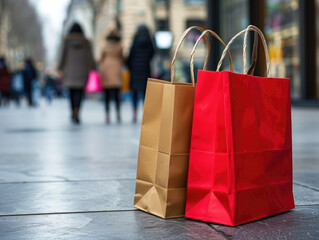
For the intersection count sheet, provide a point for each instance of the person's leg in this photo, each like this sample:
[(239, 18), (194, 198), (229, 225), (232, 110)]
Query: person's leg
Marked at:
[(71, 96), (134, 100), (4, 99), (48, 93), (29, 94), (15, 97), (107, 104), (8, 97), (117, 97), (78, 95), (18, 97)]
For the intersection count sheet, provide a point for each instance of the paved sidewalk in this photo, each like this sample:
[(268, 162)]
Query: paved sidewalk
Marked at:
[(60, 181)]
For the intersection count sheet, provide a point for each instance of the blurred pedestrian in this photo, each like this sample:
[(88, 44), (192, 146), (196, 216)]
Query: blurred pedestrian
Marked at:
[(5, 83), (30, 76), (76, 63), (138, 62), (111, 64), (17, 85), (49, 87)]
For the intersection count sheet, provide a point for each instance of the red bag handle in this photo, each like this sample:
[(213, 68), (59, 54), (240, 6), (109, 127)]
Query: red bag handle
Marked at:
[(179, 46), (261, 35), (194, 48)]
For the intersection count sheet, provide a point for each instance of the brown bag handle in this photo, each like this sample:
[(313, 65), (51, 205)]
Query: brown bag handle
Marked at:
[(249, 28), (194, 48), (179, 46), (251, 69)]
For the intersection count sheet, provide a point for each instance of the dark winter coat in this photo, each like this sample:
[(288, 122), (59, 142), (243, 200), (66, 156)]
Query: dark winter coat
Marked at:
[(5, 79), (138, 62), (29, 75), (76, 60)]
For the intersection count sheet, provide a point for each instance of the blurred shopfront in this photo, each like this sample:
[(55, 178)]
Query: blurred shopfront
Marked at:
[(291, 28)]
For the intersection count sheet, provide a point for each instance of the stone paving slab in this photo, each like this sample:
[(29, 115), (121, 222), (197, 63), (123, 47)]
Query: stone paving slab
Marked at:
[(105, 225), (305, 195), (52, 197), (305, 162), (66, 143), (74, 196), (310, 179), (30, 168), (301, 223)]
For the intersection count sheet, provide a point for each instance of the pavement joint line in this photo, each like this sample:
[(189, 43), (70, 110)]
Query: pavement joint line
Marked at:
[(305, 186), (63, 213), (66, 181), (308, 205), (221, 233)]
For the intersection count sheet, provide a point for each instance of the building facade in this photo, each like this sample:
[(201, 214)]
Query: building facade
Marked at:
[(291, 28), (18, 42), (80, 11), (126, 15)]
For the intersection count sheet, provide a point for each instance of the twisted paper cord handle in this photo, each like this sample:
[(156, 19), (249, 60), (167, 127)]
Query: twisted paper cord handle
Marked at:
[(261, 35)]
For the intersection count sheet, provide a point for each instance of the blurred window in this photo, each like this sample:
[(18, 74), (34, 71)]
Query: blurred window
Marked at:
[(282, 33), (234, 17), (162, 25), (192, 37), (161, 1), (195, 1), (194, 22)]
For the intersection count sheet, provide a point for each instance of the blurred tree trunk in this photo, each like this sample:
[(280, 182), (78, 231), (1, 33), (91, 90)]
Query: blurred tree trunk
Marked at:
[(20, 32), (3, 27)]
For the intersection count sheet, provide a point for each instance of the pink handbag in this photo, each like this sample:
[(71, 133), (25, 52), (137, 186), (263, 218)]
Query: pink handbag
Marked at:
[(94, 83)]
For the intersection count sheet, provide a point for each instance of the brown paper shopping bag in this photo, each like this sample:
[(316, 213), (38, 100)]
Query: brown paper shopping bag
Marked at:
[(164, 145)]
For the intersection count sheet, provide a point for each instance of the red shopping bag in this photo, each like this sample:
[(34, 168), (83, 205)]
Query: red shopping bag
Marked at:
[(94, 83), (240, 166)]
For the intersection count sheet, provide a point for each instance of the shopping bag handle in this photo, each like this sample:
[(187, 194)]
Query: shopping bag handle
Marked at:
[(194, 48), (261, 35), (182, 38), (254, 54)]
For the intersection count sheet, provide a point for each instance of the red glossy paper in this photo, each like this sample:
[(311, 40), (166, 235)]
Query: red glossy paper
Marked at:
[(240, 166)]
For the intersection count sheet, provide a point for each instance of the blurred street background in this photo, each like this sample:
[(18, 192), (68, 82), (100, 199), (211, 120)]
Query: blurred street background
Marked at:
[(68, 148)]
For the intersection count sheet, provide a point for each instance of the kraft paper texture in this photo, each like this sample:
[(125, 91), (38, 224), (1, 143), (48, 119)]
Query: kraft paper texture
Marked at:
[(161, 178)]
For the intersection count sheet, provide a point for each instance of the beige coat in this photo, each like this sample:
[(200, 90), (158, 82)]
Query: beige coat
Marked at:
[(111, 64), (76, 60)]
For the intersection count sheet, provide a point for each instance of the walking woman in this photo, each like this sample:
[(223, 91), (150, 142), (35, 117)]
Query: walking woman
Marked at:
[(76, 63), (138, 62), (30, 77), (111, 64)]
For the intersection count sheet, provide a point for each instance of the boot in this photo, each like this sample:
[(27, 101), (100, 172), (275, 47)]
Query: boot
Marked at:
[(75, 116)]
